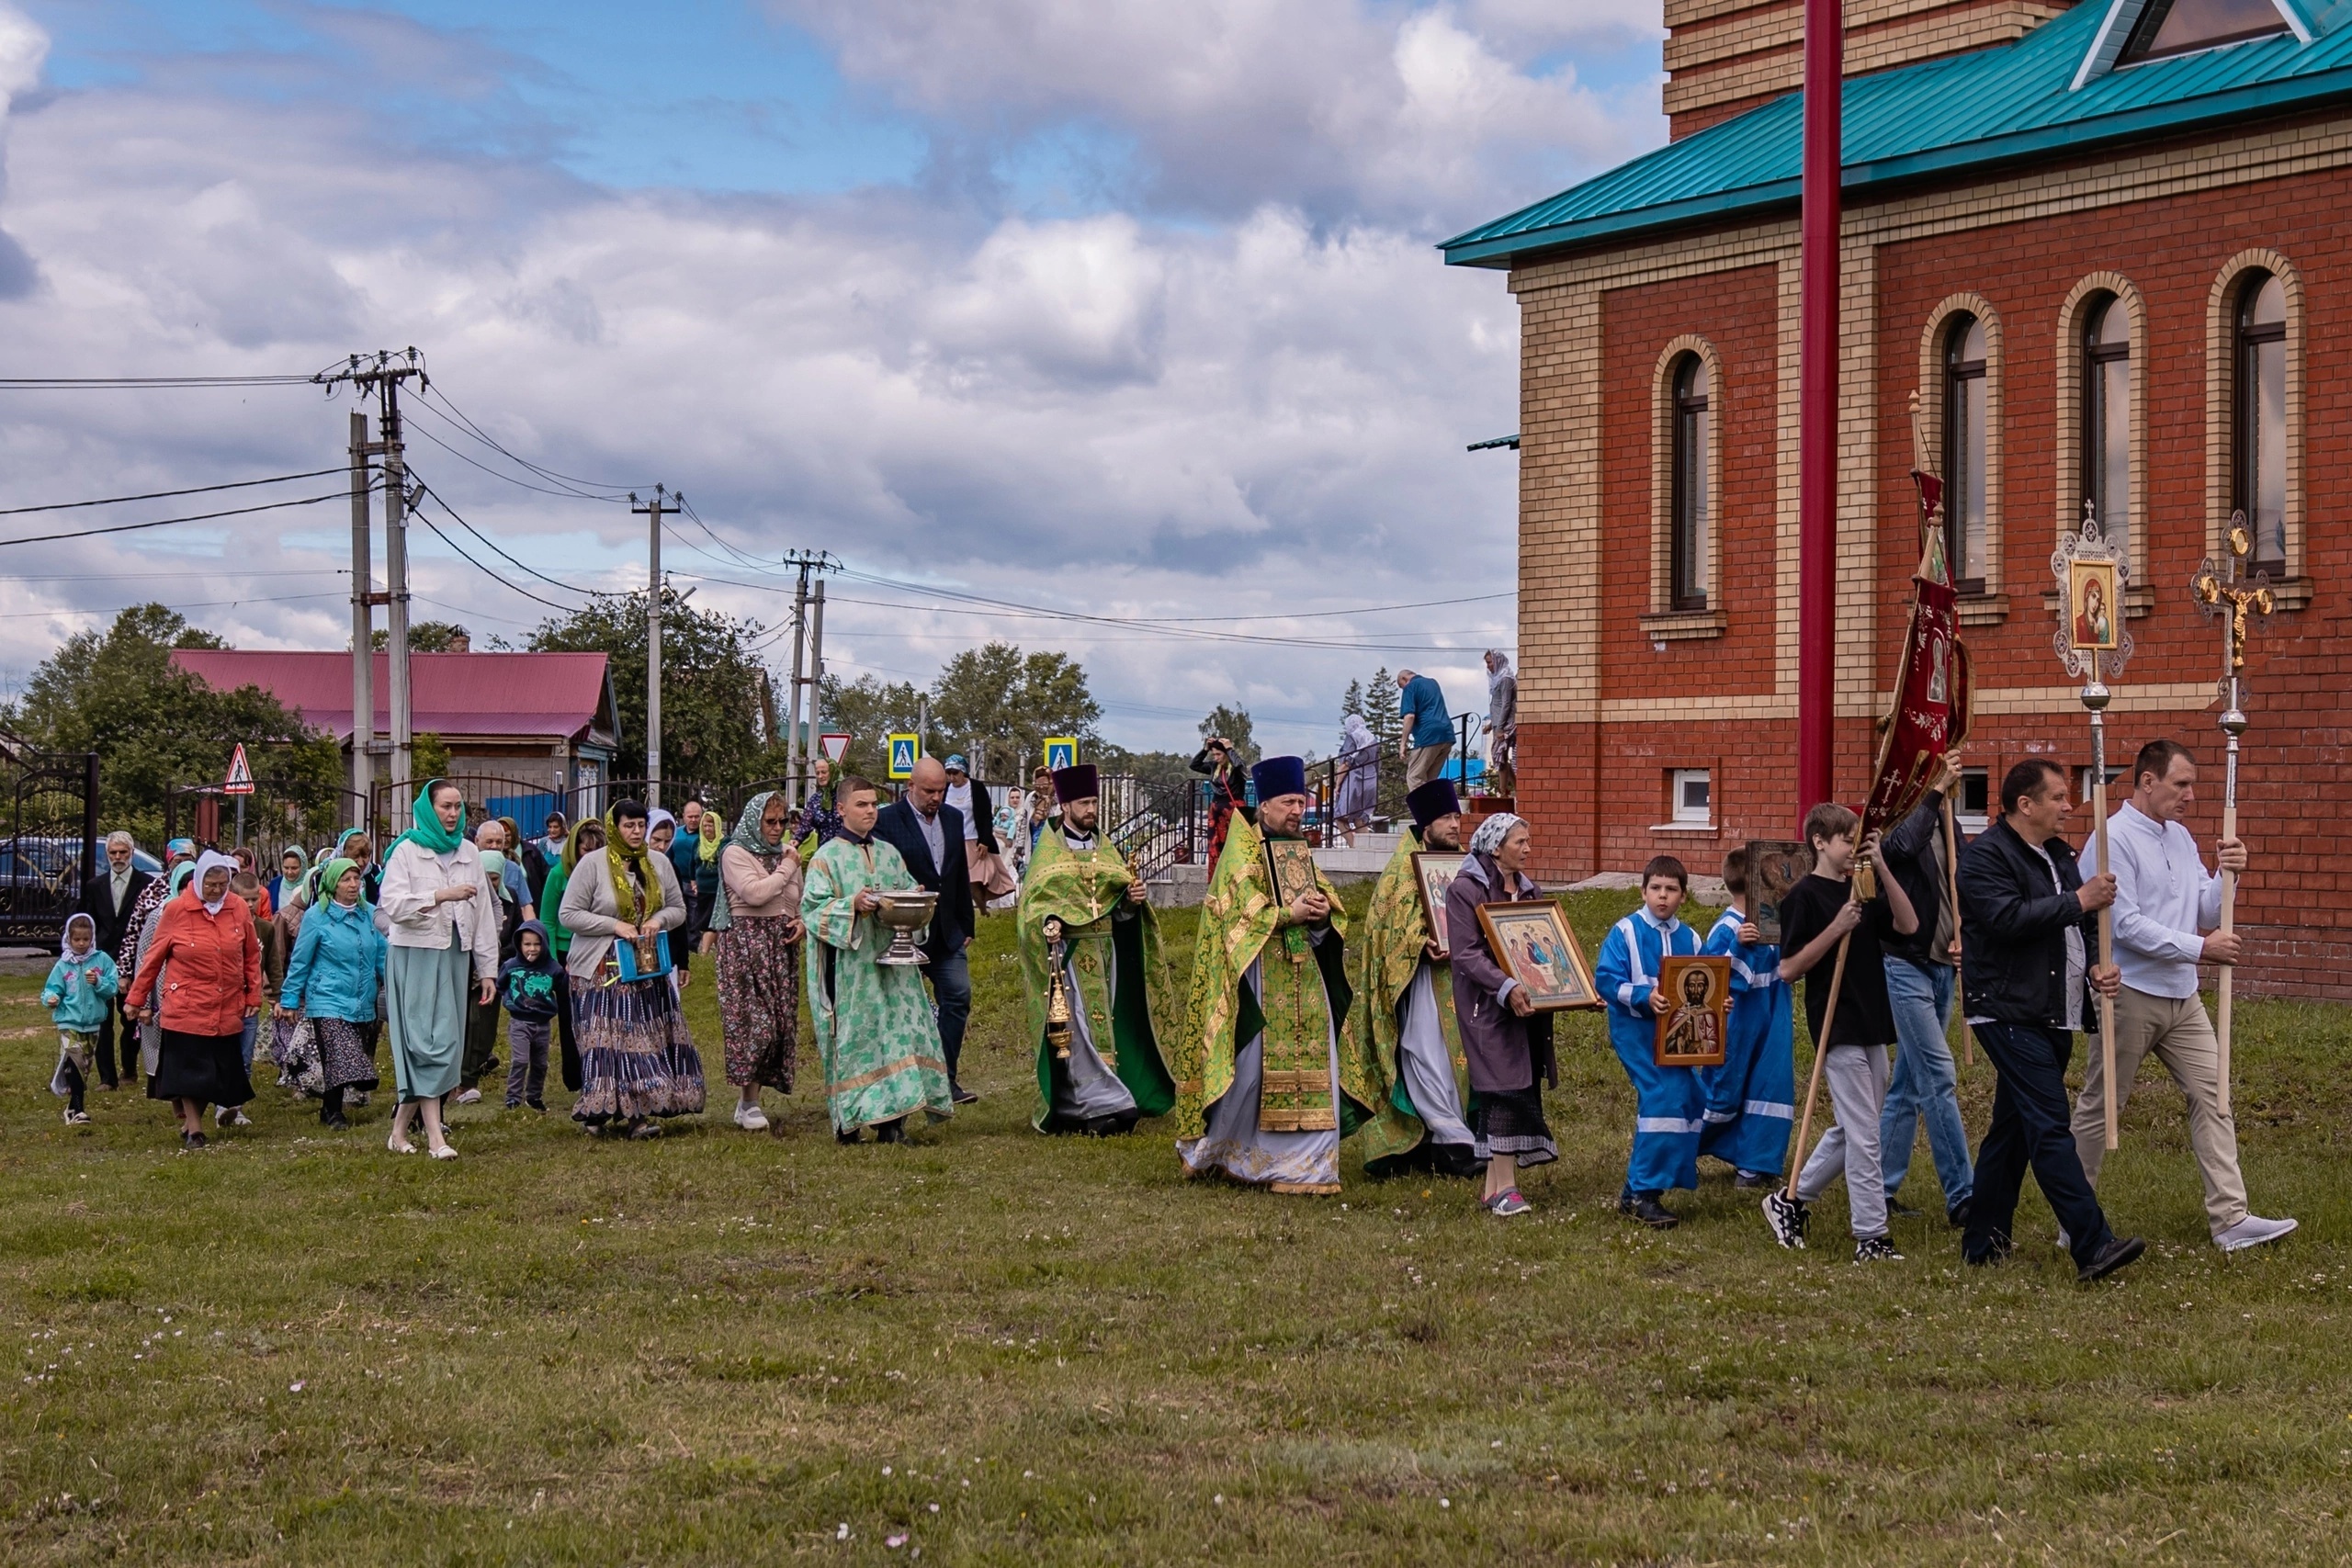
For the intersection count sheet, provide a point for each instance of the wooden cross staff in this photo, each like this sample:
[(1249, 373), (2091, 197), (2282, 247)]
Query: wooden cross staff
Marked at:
[(2218, 593)]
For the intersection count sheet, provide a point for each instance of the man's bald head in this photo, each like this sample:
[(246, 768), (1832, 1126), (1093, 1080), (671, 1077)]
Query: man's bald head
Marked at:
[(928, 787)]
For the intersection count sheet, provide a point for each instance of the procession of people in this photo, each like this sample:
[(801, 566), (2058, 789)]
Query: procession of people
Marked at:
[(1419, 1034)]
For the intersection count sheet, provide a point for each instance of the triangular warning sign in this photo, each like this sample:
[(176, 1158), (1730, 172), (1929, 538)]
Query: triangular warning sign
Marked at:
[(241, 773)]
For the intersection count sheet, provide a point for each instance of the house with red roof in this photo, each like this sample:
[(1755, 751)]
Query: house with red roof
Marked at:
[(547, 721)]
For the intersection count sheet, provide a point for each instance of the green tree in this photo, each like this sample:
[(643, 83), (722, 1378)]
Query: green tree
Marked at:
[(154, 726), (1233, 723), (1380, 714), (868, 710), (997, 704), (1351, 700), (713, 729)]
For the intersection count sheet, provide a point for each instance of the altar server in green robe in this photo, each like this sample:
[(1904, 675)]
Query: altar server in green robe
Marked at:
[(1099, 1068), (875, 1033)]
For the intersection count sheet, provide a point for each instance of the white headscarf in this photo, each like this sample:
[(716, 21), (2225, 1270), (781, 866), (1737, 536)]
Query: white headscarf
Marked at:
[(654, 819), (1500, 672), (1491, 834), (1354, 733), (204, 865), (65, 942)]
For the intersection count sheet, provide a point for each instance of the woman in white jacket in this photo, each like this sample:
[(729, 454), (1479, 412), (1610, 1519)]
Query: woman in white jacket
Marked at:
[(440, 919)]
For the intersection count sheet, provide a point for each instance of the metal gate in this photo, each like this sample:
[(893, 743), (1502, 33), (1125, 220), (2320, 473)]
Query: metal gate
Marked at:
[(51, 851)]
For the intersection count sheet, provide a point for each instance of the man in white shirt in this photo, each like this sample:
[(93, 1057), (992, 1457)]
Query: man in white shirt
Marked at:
[(2163, 900)]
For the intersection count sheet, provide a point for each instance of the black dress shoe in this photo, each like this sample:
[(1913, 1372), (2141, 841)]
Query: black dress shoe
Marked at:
[(958, 1094), (1645, 1207), (337, 1122), (893, 1132), (1901, 1211), (854, 1136), (2119, 1251), (1958, 1215), (1997, 1247)]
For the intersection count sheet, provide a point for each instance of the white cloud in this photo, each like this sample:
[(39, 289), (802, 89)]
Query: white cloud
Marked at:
[(1144, 416), (1340, 108)]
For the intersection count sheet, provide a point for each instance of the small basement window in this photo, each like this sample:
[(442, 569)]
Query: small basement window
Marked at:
[(1692, 797), (1972, 813)]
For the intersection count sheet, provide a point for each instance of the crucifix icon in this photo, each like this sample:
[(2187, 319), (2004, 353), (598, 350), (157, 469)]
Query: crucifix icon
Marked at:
[(2221, 596)]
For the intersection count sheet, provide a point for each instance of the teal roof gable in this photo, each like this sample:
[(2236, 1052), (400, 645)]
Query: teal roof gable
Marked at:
[(2009, 103)]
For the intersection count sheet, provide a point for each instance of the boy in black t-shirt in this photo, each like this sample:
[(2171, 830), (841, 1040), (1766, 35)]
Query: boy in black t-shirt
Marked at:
[(1819, 912)]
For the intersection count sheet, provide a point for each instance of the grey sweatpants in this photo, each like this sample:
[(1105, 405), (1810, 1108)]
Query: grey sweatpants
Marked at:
[(526, 1066), (1857, 1076)]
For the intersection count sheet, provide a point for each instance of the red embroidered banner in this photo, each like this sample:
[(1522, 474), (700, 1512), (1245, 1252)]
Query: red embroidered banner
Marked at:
[(1930, 712)]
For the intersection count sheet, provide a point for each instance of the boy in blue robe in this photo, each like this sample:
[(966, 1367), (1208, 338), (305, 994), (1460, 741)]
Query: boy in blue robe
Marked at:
[(1751, 1096), (1669, 1100)]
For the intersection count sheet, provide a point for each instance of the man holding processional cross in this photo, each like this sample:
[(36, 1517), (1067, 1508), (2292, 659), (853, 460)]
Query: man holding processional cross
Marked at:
[(2163, 900)]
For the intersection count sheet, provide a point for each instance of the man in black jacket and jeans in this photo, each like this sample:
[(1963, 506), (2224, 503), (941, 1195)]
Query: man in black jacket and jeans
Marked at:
[(2032, 923), (928, 833)]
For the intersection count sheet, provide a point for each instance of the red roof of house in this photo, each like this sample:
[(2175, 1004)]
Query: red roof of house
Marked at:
[(555, 696)]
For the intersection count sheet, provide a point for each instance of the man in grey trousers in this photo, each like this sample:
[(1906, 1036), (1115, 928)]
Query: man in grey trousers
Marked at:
[(2164, 899)]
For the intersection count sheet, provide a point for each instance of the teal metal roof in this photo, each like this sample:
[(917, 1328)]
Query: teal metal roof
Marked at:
[(1993, 106)]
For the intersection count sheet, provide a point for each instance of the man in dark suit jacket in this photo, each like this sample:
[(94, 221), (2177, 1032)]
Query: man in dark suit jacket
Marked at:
[(108, 900), (928, 833)]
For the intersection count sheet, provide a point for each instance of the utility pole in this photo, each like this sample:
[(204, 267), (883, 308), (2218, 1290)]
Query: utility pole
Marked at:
[(363, 627), (795, 789), (1818, 226), (382, 375), (651, 511), (800, 719)]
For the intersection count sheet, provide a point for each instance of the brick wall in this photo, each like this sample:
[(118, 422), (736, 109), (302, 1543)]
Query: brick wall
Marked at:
[(1593, 769)]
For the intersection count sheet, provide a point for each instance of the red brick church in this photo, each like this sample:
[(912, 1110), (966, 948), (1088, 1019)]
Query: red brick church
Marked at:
[(2105, 244)]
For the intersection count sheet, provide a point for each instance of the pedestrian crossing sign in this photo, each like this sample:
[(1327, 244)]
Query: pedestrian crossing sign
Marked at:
[(1061, 752), (904, 749), (241, 773)]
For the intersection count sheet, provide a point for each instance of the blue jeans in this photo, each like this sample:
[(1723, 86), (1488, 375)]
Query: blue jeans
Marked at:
[(1922, 1089), (950, 996)]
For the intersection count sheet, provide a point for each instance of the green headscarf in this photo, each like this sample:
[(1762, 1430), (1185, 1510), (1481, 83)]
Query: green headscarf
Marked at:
[(329, 875), (618, 859), (746, 836), (426, 833), (712, 841)]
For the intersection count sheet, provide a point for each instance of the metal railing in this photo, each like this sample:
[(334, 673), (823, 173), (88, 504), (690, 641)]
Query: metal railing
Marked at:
[(1343, 798)]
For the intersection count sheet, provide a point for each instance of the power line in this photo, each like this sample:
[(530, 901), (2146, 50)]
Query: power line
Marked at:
[(511, 587), (101, 383), (443, 502), (200, 605), (552, 475), (165, 494), (493, 473), (167, 522)]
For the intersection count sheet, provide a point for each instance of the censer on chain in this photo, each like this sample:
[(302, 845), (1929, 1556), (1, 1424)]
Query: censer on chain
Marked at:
[(1058, 993)]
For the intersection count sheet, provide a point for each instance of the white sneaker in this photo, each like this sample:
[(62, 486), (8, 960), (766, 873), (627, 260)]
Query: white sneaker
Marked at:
[(2252, 1231), (750, 1118), (230, 1116), (469, 1096)]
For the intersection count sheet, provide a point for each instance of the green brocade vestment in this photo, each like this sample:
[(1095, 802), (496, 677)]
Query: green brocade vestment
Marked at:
[(1117, 979), (1301, 1005), (1397, 934), (876, 1034)]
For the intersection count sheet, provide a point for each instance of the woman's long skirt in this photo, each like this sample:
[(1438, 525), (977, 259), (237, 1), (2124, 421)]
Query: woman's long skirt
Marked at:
[(425, 992), (207, 1069), (636, 1057), (1510, 1122), (347, 1052), (759, 1001)]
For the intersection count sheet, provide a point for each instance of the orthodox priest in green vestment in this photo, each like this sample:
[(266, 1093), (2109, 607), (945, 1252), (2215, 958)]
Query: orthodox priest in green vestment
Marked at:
[(1404, 1012), (1083, 912), (1267, 1079), (877, 1035)]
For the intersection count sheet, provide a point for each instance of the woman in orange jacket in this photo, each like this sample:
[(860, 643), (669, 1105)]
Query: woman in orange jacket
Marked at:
[(212, 987)]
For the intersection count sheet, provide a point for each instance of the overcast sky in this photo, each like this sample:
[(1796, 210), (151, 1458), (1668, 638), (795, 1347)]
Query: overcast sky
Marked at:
[(1105, 305)]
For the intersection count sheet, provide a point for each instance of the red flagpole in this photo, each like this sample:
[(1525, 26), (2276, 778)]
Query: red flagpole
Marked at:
[(1825, 36)]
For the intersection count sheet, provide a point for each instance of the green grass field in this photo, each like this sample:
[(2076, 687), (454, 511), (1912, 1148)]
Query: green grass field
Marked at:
[(992, 1348)]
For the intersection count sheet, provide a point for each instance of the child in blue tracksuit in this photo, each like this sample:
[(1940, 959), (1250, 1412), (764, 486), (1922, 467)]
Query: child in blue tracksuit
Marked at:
[(80, 988), (1751, 1096), (534, 989), (1668, 1102)]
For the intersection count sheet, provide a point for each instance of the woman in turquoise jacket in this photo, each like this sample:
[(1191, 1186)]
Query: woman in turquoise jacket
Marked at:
[(333, 979)]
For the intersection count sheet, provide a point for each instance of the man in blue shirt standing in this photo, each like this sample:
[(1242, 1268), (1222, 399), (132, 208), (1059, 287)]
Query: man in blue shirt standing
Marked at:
[(1429, 730)]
